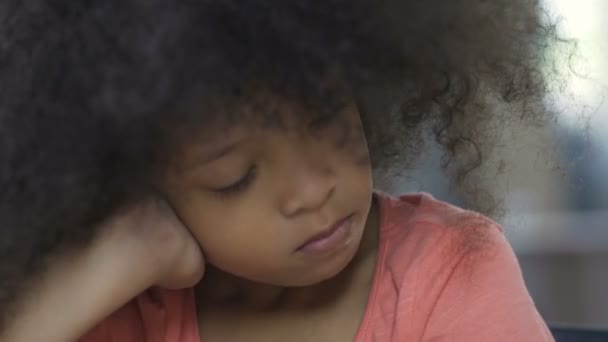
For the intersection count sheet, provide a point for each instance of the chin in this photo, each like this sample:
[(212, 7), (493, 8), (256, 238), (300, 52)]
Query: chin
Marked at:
[(328, 271)]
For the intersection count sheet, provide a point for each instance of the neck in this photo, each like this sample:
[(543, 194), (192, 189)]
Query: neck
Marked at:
[(219, 288), (223, 289)]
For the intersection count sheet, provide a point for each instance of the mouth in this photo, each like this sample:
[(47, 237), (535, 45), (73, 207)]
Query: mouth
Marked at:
[(329, 239)]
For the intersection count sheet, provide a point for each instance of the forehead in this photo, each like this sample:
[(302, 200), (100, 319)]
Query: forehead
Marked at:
[(261, 114), (244, 122)]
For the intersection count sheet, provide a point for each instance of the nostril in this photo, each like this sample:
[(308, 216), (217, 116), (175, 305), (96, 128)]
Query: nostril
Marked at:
[(307, 197)]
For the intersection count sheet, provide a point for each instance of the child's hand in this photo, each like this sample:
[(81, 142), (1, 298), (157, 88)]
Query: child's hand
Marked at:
[(157, 243), (141, 247)]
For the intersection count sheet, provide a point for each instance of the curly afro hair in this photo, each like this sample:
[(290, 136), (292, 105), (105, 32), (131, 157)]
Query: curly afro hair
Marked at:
[(93, 94)]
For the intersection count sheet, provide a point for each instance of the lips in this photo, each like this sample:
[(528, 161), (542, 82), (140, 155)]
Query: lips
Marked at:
[(329, 238)]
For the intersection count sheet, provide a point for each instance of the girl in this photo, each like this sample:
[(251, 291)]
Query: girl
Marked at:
[(139, 136)]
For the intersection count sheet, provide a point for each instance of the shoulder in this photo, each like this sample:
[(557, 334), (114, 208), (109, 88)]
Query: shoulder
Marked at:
[(439, 244), (155, 315), (453, 270), (421, 229)]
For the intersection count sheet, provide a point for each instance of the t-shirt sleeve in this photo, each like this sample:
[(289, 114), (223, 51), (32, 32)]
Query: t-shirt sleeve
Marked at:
[(123, 325), (154, 316), (485, 298)]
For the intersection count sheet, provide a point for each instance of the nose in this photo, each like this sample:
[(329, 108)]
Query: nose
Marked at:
[(307, 186)]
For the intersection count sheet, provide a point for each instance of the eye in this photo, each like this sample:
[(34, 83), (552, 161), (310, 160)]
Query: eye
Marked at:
[(239, 186)]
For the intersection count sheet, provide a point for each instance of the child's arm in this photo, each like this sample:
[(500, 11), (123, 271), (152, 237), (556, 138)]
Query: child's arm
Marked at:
[(144, 247)]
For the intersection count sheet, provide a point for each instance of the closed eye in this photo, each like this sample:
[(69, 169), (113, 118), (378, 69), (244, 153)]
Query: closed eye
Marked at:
[(240, 185)]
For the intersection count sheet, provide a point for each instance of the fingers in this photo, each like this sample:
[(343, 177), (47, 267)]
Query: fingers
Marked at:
[(187, 265), (157, 243)]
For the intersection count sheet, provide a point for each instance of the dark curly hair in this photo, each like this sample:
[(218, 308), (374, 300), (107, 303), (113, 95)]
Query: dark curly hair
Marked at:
[(95, 94)]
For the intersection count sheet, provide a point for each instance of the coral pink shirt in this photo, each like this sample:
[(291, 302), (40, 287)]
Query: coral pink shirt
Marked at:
[(442, 274)]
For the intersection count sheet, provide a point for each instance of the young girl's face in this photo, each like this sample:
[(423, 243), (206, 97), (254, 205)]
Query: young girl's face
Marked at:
[(284, 206)]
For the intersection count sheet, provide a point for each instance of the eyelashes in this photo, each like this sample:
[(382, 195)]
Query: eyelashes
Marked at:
[(346, 137), (239, 186)]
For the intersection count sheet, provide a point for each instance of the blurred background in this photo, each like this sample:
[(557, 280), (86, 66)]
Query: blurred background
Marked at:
[(555, 189), (562, 234)]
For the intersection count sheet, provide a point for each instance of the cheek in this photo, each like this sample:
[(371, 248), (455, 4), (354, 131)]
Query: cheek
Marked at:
[(359, 176), (239, 242), (360, 180), (355, 145), (362, 158), (356, 153), (215, 228)]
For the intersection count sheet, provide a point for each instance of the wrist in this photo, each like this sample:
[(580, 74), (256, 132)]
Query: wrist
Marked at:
[(76, 292)]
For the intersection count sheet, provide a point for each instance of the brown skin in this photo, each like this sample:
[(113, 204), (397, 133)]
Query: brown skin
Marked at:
[(255, 203), (329, 177), (146, 244)]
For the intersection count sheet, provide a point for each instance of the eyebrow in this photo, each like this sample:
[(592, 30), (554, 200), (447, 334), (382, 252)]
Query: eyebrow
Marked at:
[(217, 153), (211, 156)]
